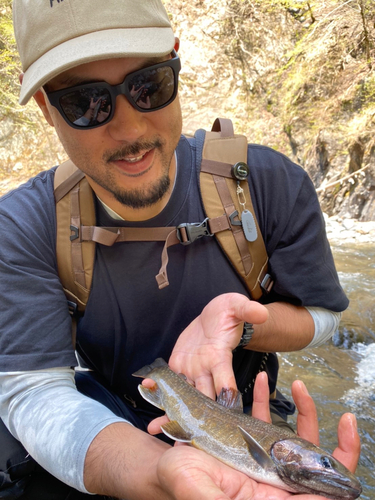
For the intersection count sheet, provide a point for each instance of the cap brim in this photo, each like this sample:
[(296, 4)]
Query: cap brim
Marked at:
[(107, 44)]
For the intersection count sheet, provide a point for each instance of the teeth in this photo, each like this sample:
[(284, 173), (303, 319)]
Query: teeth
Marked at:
[(133, 160)]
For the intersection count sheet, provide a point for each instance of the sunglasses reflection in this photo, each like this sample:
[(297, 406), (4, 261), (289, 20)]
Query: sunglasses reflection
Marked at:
[(97, 112), (141, 95)]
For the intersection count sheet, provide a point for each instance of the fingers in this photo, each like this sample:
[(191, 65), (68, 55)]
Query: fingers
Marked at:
[(349, 446), (223, 374), (205, 384), (203, 351), (209, 372), (261, 398), (154, 426), (307, 420), (148, 382)]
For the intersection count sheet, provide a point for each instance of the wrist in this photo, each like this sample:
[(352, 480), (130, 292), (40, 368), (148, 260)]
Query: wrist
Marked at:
[(115, 461)]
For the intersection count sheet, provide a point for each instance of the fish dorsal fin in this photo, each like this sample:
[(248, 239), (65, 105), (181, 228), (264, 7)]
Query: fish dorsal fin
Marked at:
[(174, 431), (257, 451), (152, 395), (230, 398)]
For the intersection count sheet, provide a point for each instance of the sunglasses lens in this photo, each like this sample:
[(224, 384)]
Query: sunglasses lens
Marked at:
[(152, 89), (87, 106)]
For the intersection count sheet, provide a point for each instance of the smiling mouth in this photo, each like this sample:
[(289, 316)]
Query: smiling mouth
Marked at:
[(135, 166), (134, 159)]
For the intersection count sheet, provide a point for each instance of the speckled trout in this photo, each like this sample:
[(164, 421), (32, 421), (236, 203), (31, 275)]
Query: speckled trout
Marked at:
[(262, 451)]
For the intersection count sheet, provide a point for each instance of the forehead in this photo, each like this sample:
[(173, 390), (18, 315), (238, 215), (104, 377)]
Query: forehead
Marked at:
[(112, 71)]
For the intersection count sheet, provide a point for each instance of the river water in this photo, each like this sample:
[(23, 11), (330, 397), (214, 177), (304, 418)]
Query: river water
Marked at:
[(341, 374)]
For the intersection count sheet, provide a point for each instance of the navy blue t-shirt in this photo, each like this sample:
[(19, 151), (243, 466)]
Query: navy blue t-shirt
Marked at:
[(128, 321)]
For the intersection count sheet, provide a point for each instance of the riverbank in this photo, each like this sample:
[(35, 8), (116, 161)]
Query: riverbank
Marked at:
[(341, 231)]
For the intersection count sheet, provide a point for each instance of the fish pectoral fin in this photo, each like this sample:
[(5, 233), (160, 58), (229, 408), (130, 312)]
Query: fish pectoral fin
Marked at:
[(174, 431), (152, 395), (230, 398), (257, 451)]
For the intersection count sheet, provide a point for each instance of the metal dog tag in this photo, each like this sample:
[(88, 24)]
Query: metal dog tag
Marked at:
[(249, 226)]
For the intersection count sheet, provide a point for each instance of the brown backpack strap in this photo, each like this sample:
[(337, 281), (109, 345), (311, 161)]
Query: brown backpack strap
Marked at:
[(75, 258), (222, 149)]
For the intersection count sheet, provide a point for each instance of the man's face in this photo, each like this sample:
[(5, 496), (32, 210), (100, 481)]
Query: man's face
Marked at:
[(128, 159)]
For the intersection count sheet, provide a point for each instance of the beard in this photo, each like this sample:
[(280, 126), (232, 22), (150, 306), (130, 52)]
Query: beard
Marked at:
[(138, 198), (146, 195)]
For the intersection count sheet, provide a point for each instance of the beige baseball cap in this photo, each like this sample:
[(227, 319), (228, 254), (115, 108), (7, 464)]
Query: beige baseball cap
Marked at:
[(55, 35)]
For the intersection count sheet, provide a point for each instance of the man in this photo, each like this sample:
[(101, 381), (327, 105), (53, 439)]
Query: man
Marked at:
[(75, 54)]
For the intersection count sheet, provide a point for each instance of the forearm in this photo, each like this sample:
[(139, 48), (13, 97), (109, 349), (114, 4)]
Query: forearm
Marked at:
[(288, 328), (122, 462), (53, 421)]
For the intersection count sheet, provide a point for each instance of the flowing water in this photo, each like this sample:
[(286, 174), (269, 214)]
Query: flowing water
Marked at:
[(341, 374)]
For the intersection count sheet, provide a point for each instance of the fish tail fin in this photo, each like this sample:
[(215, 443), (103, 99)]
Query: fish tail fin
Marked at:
[(146, 371), (152, 395)]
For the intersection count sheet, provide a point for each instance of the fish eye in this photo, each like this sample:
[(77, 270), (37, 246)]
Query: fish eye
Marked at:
[(326, 462)]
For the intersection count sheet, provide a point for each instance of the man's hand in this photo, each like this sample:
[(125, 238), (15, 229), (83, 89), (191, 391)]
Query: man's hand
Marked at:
[(203, 351), (188, 473)]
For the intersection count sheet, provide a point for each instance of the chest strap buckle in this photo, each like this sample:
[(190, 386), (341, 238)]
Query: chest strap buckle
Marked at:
[(189, 232)]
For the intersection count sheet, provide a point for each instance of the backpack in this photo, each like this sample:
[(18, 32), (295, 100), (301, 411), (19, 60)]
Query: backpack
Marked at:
[(225, 195)]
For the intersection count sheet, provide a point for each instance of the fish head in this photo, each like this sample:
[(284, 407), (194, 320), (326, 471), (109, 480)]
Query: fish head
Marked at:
[(303, 465)]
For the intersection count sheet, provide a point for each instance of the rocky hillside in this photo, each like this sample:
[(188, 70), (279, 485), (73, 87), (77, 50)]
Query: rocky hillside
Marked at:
[(295, 75)]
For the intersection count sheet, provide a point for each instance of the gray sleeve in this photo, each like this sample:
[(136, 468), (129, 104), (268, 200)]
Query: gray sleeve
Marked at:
[(326, 323), (53, 421)]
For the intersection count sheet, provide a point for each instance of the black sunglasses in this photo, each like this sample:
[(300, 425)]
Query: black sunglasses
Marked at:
[(92, 105)]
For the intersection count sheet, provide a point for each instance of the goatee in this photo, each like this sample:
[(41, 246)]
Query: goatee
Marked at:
[(146, 195), (137, 198)]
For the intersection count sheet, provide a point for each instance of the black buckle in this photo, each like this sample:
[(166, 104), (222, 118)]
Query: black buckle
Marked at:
[(235, 222), (267, 283), (72, 306), (192, 231), (75, 234)]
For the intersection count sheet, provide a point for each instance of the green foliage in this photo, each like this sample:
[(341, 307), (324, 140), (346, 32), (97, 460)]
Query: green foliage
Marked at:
[(368, 91), (27, 143), (10, 68), (9, 62)]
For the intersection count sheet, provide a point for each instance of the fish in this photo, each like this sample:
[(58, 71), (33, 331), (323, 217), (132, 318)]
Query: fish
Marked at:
[(263, 451)]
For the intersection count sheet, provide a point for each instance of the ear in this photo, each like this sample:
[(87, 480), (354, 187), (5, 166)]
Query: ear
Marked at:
[(176, 43), (40, 99)]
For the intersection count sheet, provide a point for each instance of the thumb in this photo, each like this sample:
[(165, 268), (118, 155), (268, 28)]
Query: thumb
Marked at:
[(249, 310)]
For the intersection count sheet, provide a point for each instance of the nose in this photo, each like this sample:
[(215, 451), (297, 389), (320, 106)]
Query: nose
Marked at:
[(127, 124)]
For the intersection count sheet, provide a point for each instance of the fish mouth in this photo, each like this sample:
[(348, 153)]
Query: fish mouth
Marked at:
[(330, 486), (347, 488)]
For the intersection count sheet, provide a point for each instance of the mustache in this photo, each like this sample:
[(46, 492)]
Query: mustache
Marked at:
[(133, 149)]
